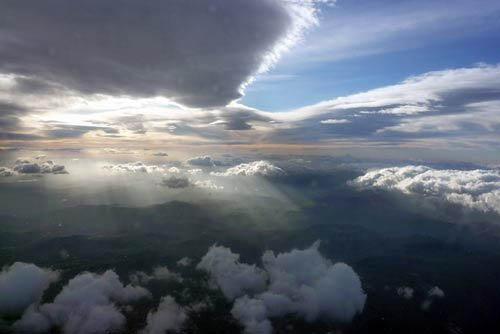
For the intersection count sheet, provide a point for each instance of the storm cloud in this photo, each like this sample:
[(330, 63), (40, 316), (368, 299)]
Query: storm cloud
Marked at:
[(198, 53)]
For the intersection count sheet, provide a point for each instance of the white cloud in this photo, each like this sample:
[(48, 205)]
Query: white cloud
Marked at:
[(252, 313), (85, 305), (5, 171), (174, 170), (208, 184), (435, 292), (300, 282), (184, 262), (28, 166), (261, 168), (314, 286), (194, 171), (233, 278), (405, 291), (335, 121), (22, 284), (432, 294), (134, 167), (475, 189), (416, 94), (203, 160), (169, 316)]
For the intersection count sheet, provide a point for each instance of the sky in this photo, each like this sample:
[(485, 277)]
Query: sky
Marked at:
[(347, 75)]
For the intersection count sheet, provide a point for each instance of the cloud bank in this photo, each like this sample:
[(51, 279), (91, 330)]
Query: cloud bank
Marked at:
[(474, 189), (255, 168), (30, 166)]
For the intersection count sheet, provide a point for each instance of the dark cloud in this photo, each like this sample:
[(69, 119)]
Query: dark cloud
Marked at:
[(176, 182), (57, 130), (196, 52), (239, 119)]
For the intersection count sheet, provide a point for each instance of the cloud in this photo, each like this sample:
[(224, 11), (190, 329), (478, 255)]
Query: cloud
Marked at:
[(252, 313), (208, 184), (160, 154), (315, 288), (475, 189), (335, 121), (56, 130), (85, 305), (261, 168), (184, 262), (300, 282), (233, 278), (169, 316), (176, 182), (22, 284), (432, 294), (452, 103), (134, 167), (435, 292), (204, 160), (198, 53), (29, 166), (159, 273), (395, 26), (5, 171), (405, 291)]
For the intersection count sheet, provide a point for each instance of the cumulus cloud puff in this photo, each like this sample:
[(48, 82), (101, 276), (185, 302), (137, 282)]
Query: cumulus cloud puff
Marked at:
[(22, 284), (169, 316), (5, 171), (432, 294), (233, 278), (85, 305), (476, 189), (204, 160), (134, 167), (30, 166), (198, 53), (261, 168), (175, 182), (405, 291), (300, 282)]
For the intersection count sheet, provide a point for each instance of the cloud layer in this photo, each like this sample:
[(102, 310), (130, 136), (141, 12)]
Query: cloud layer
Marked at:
[(255, 168), (475, 189), (198, 53)]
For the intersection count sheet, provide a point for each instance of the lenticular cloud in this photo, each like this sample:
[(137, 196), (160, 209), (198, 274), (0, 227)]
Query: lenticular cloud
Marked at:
[(476, 189)]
